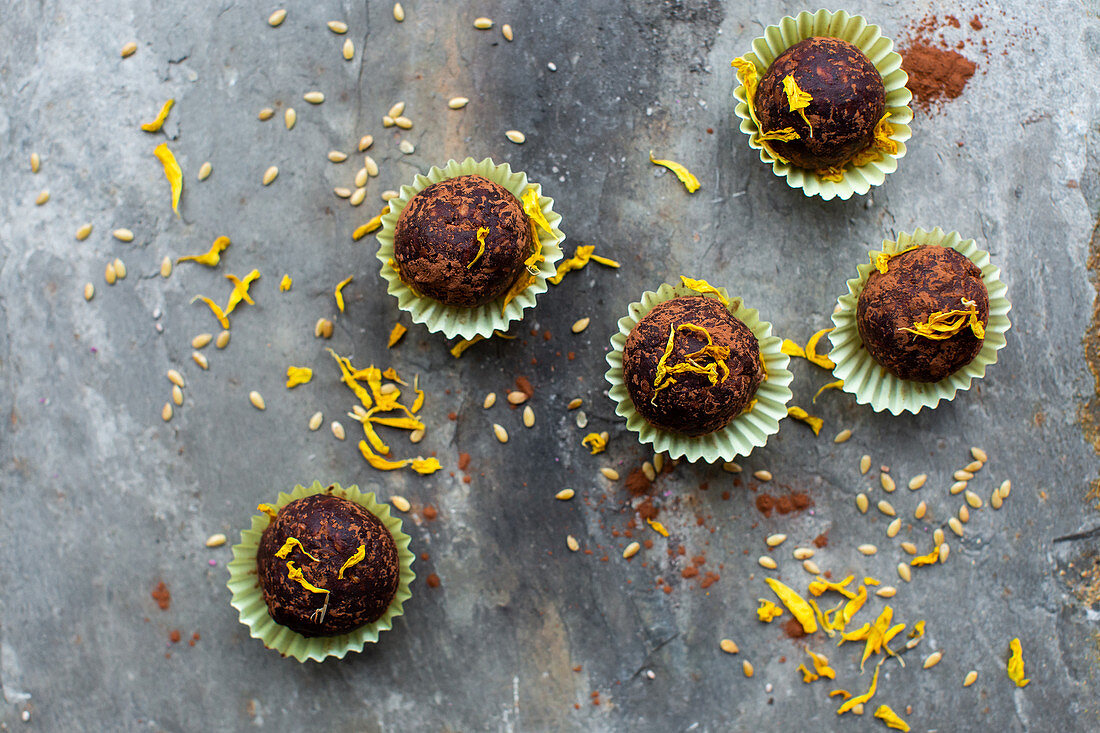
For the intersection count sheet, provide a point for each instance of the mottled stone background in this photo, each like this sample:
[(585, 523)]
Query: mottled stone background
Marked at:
[(101, 500)]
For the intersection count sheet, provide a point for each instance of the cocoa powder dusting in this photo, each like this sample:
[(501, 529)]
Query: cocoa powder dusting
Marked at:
[(432, 581), (936, 75), (162, 596), (793, 629), (637, 483), (463, 461), (792, 502), (174, 636)]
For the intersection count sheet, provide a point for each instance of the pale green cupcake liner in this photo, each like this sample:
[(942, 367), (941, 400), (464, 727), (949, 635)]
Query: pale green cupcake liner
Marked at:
[(248, 600), (483, 320), (871, 383), (743, 433), (880, 51)]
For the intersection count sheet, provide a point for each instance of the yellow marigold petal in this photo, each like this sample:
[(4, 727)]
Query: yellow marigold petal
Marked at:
[(594, 442), (702, 286), (750, 78), (807, 675), (482, 232), (797, 605), (691, 183), (297, 375), (792, 349), (240, 290), (768, 611), (531, 207), (396, 334), (404, 423), (785, 134), (831, 385), (657, 527), (798, 413), (285, 283), (868, 580), (289, 545), (339, 292), (426, 466), (379, 462), (268, 510), (931, 558), (458, 349), (296, 574), (833, 173), (819, 585), (346, 371), (881, 260), (605, 261), (859, 699), (797, 99), (851, 608), (370, 226), (218, 312), (888, 716), (355, 559), (883, 132), (158, 122), (211, 257), (943, 325), (842, 693), (172, 172), (419, 401), (1015, 666), (531, 264), (811, 350), (821, 665), (580, 258)]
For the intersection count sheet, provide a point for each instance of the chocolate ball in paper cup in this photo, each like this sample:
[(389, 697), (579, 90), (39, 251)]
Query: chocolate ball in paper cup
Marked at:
[(922, 319), (822, 97), (321, 572), (468, 247), (697, 374)]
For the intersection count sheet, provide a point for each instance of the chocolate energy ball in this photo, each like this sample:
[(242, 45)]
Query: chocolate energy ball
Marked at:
[(333, 545), (436, 240), (916, 284), (701, 387), (848, 100)]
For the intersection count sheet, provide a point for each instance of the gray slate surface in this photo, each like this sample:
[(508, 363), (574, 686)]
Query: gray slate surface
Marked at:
[(101, 499)]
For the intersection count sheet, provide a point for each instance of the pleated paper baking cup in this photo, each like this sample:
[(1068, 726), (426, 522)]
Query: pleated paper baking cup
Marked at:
[(482, 320), (743, 433), (244, 583), (876, 47), (871, 383)]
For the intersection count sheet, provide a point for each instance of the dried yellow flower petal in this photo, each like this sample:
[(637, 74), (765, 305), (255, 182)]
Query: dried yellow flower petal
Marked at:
[(172, 172), (702, 286), (267, 509), (691, 183), (930, 559), (881, 260), (798, 413), (831, 385), (355, 559), (240, 290), (860, 699), (748, 75), (718, 355), (821, 665), (396, 334), (820, 585), (289, 545), (426, 466), (158, 122), (797, 99), (482, 232), (296, 574), (1015, 665), (807, 675), (595, 442), (339, 294), (218, 313), (888, 716), (943, 325), (285, 283), (795, 604), (370, 226), (297, 375), (768, 611), (657, 527), (346, 376), (212, 256)]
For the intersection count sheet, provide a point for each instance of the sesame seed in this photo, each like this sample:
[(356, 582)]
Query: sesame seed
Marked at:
[(920, 510), (957, 487), (864, 464), (887, 482), (909, 548), (314, 97), (979, 454), (610, 473), (483, 24), (269, 175), (763, 475), (649, 471), (357, 196), (406, 147), (396, 110), (728, 646), (348, 49), (337, 27), (811, 567), (458, 102), (802, 553), (963, 475), (945, 550), (528, 417), (276, 19), (571, 543), (175, 377), (973, 499), (109, 273), (166, 412), (565, 495), (746, 667), (416, 436), (917, 481), (123, 235), (215, 540), (886, 591), (842, 436), (580, 325), (120, 268), (403, 122), (905, 572), (201, 340), (222, 340), (775, 540), (342, 192), (128, 49), (365, 142), (337, 430), (257, 400), (581, 419), (516, 397), (867, 549), (177, 396), (42, 198), (893, 528), (289, 118), (400, 503), (731, 467), (387, 121), (971, 676), (995, 500), (370, 166), (336, 156), (205, 170), (506, 31), (862, 502), (489, 401), (955, 525), (515, 136), (631, 550), (937, 536), (1005, 489), (36, 162), (574, 403), (932, 659), (500, 432), (315, 420), (964, 514), (767, 562), (389, 194), (266, 114), (886, 508), (974, 466), (83, 232)]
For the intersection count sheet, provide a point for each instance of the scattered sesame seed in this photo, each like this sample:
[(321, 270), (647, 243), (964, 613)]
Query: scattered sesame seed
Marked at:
[(767, 562), (917, 481), (83, 232), (886, 508), (289, 118), (979, 454), (802, 553), (123, 235), (205, 170), (222, 340), (920, 510), (338, 27), (203, 339), (971, 676), (36, 162), (955, 525), (746, 667), (580, 325), (276, 19), (500, 433), (862, 503), (89, 293), (266, 114), (483, 24), (609, 473), (336, 156), (867, 549), (365, 142), (175, 377), (886, 591), (864, 464), (631, 550), (574, 403), (314, 97), (528, 417), (894, 527), (166, 412), (763, 475), (489, 401), (400, 503), (909, 547), (811, 567), (571, 543), (348, 49), (337, 430), (315, 420), (370, 166), (42, 198), (933, 659), (957, 487), (904, 572), (728, 646), (506, 31), (731, 467), (842, 436), (565, 495), (257, 400), (516, 397), (887, 482), (269, 175), (963, 475), (458, 102), (515, 136), (775, 540), (974, 466), (215, 540), (406, 147), (128, 49)]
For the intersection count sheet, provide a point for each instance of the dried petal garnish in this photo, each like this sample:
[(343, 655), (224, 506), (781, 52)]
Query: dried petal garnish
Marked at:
[(875, 635), (463, 344), (820, 585), (881, 260), (240, 290), (285, 283), (702, 286), (482, 232), (798, 413), (860, 699), (268, 510), (355, 559), (930, 559), (943, 325), (419, 401), (396, 334), (531, 207), (595, 442), (691, 183), (297, 375), (218, 313), (157, 123), (797, 99), (212, 256), (810, 352), (339, 292), (831, 385), (1015, 665), (289, 545), (296, 574), (718, 355), (425, 466), (580, 258), (821, 665), (657, 527), (807, 675), (795, 603), (750, 78), (768, 610), (172, 172), (346, 371), (888, 716)]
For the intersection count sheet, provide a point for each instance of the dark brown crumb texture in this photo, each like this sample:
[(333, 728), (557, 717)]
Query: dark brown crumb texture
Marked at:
[(331, 529), (436, 238), (916, 284), (692, 405), (849, 99)]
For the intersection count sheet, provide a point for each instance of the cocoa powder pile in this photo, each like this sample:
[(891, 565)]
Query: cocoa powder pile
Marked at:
[(935, 74)]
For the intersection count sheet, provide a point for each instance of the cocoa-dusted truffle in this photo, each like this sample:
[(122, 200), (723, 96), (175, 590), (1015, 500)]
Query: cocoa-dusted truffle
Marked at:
[(929, 290), (847, 100), (703, 383), (436, 240), (326, 543)]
